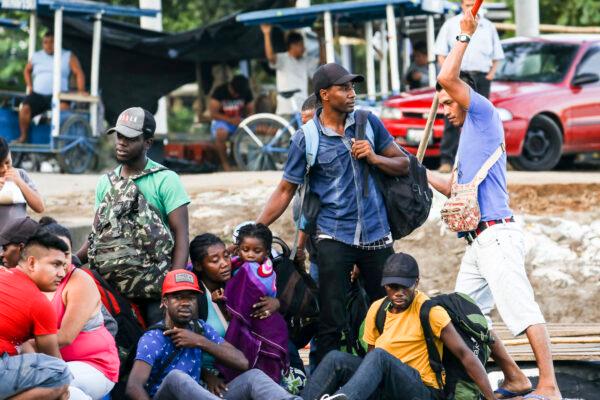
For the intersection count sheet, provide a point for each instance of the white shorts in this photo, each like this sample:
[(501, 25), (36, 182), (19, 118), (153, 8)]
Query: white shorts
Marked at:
[(493, 271)]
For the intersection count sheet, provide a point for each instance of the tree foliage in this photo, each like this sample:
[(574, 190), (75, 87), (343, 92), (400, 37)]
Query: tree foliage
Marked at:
[(570, 12)]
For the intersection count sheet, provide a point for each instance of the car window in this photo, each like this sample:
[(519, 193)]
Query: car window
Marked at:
[(535, 61), (590, 63)]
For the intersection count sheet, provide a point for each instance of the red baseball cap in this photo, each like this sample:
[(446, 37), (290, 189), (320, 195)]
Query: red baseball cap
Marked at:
[(180, 280)]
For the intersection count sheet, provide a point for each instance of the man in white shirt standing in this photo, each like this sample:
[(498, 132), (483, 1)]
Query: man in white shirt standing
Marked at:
[(293, 70), (479, 63)]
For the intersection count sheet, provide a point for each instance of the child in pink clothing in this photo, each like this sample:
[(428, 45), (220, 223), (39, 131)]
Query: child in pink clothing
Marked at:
[(260, 335)]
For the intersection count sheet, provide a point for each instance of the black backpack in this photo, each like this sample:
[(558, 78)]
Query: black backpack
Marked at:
[(298, 295), (357, 306), (471, 325), (407, 198)]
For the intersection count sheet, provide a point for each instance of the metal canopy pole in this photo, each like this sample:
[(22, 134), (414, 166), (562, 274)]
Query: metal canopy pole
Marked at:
[(329, 49), (393, 48), (430, 55), (383, 64), (370, 61), (405, 46), (95, 73), (56, 73), (32, 35)]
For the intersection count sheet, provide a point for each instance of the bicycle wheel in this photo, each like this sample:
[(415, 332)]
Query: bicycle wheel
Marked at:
[(261, 142)]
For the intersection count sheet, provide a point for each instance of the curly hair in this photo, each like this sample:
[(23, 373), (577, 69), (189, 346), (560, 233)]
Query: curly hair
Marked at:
[(258, 231)]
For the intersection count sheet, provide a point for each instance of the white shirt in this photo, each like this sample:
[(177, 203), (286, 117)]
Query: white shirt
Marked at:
[(292, 74), (43, 67), (483, 48)]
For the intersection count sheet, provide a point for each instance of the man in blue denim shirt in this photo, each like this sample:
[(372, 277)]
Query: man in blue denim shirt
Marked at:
[(351, 228)]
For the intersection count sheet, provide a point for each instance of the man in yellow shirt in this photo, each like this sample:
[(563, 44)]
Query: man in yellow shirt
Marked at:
[(397, 364)]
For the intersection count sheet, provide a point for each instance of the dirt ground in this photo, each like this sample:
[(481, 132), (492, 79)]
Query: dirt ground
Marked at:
[(567, 288)]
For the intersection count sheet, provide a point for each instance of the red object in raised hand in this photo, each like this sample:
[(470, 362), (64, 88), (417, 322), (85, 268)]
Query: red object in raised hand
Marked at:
[(476, 7)]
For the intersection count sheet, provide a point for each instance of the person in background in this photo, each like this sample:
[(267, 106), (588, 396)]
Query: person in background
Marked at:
[(13, 239), (38, 74), (230, 103), (85, 343), (17, 190), (479, 63), (25, 314), (417, 75), (293, 69)]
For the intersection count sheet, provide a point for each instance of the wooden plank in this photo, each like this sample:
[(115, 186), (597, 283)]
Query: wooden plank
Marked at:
[(567, 340), (77, 97)]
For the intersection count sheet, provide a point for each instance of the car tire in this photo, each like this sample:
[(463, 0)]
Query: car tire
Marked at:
[(542, 146)]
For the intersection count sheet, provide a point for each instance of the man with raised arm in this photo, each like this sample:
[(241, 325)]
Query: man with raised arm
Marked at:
[(492, 271)]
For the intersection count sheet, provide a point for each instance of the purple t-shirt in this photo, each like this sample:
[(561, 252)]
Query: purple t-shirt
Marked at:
[(482, 133)]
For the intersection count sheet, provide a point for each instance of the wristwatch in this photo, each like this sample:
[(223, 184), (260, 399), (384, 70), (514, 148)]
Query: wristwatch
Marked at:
[(463, 37)]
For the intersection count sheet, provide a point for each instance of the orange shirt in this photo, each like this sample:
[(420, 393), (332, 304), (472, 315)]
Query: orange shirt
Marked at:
[(403, 335)]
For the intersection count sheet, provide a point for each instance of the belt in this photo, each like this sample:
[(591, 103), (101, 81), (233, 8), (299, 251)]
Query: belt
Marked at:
[(483, 225)]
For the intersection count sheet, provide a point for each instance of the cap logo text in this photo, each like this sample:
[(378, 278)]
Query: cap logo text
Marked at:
[(184, 277)]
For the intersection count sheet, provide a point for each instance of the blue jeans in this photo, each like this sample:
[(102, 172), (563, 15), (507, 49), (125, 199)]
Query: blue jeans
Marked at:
[(378, 375), (251, 385)]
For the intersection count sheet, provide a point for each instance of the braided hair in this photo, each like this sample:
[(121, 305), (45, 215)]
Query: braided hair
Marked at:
[(258, 231)]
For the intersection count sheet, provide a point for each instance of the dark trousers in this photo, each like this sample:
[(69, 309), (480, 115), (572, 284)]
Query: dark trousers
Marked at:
[(379, 376), (336, 260), (449, 144)]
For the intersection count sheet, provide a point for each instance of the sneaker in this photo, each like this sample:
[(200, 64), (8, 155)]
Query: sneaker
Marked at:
[(445, 168), (340, 396)]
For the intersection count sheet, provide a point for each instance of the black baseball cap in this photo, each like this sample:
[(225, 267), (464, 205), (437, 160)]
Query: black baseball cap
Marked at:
[(333, 74), (19, 231), (400, 268), (134, 122)]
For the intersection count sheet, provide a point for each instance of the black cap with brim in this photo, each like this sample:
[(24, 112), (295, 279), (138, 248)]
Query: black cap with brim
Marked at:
[(401, 269), (333, 74), (18, 231), (406, 282)]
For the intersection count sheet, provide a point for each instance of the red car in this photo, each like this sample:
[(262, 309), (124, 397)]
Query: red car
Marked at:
[(547, 92)]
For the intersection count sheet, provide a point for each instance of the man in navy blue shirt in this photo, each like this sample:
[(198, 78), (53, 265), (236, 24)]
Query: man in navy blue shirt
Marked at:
[(352, 228), (169, 361), (492, 271)]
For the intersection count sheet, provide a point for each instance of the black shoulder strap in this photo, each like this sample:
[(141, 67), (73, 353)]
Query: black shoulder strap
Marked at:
[(361, 120), (202, 306), (435, 360), (381, 314)]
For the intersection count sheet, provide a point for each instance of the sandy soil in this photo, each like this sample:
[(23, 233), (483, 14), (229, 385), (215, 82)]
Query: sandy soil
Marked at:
[(567, 288)]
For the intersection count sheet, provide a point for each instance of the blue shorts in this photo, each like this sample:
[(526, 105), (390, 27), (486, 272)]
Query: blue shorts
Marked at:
[(31, 370), (215, 125)]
